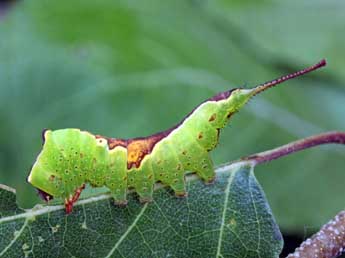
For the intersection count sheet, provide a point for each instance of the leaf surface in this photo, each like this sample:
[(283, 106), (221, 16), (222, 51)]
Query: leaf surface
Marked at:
[(230, 218)]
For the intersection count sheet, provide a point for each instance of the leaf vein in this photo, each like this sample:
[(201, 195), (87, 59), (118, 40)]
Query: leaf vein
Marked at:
[(117, 244), (226, 200), (15, 237)]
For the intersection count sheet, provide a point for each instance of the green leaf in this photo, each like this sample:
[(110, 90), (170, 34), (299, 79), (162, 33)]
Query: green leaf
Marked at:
[(230, 218)]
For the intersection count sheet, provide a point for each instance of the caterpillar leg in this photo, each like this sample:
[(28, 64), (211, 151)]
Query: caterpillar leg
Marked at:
[(118, 188), (119, 196), (179, 186), (142, 180), (144, 187), (145, 193), (169, 169), (116, 180), (204, 169)]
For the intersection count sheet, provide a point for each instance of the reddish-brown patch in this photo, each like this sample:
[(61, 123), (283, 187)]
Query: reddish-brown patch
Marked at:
[(222, 95), (68, 206), (77, 193), (69, 202), (200, 136), (113, 142)]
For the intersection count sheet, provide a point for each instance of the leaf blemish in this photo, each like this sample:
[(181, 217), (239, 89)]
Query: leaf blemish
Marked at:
[(83, 225), (25, 246), (55, 229), (232, 223)]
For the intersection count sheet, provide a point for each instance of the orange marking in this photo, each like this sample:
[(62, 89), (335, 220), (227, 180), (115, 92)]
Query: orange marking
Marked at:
[(138, 148)]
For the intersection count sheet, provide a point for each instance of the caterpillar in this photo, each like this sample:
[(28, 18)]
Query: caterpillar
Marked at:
[(70, 158)]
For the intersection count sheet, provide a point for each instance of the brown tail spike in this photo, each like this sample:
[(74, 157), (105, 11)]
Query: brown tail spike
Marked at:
[(266, 85)]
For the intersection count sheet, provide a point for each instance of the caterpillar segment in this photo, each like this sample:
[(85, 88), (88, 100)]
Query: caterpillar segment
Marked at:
[(71, 158)]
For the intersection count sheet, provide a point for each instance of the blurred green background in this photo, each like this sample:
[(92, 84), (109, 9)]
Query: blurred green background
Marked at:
[(132, 68)]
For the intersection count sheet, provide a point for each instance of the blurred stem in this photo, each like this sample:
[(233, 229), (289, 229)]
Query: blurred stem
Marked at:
[(315, 140), (329, 242)]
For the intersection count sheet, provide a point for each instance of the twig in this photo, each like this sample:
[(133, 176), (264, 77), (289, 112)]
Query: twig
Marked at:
[(324, 138), (329, 242)]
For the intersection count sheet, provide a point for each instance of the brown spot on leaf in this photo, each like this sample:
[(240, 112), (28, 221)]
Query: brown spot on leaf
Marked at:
[(200, 136)]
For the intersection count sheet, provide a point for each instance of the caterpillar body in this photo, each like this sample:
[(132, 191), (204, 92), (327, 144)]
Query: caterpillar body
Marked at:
[(72, 157)]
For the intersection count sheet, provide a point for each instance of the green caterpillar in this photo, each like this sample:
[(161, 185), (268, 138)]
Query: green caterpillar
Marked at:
[(71, 157)]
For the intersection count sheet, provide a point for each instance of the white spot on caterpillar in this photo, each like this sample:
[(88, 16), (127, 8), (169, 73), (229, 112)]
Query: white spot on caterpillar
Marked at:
[(40, 239), (102, 142), (29, 178)]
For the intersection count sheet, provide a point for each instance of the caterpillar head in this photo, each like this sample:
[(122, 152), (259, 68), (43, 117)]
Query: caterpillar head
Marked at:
[(44, 175)]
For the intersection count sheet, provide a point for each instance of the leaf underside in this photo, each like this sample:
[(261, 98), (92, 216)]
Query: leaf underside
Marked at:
[(230, 218)]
